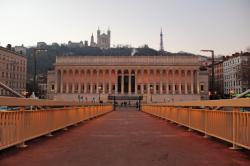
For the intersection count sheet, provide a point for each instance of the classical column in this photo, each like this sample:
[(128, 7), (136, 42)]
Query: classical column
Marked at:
[(91, 81), (56, 83), (103, 84), (116, 82), (73, 80), (198, 81), (173, 82), (192, 82), (110, 81), (167, 82), (129, 82), (136, 81), (97, 81), (122, 82), (148, 88), (180, 80), (67, 82), (142, 81), (79, 80), (149, 82), (154, 81), (61, 82), (161, 77), (85, 81), (186, 85)]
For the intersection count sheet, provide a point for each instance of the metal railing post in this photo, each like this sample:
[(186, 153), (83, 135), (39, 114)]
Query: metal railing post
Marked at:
[(22, 144), (235, 110), (189, 119)]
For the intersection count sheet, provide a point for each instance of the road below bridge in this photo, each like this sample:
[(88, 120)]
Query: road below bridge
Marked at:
[(124, 138)]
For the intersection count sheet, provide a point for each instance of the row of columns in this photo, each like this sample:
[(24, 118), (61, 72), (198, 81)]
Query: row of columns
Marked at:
[(151, 86)]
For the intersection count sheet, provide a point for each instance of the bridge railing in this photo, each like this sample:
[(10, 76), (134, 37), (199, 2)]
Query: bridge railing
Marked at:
[(232, 126), (24, 124)]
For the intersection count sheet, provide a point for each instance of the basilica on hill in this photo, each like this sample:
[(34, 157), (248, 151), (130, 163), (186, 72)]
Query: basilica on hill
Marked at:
[(154, 78), (103, 39)]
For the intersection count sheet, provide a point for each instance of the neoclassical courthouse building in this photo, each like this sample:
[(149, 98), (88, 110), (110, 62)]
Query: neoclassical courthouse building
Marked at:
[(156, 78)]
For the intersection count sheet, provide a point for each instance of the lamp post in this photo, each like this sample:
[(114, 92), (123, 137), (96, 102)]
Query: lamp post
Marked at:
[(212, 83)]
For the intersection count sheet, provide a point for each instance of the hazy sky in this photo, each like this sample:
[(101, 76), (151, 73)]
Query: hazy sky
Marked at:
[(188, 25)]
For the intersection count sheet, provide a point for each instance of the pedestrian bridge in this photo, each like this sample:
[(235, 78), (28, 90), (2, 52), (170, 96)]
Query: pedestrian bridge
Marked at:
[(73, 133)]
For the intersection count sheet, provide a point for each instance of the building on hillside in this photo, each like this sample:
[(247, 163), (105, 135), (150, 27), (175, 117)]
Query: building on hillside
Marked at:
[(21, 49), (75, 44), (156, 78), (86, 43), (13, 67), (92, 41), (55, 45), (103, 39), (41, 45), (236, 72)]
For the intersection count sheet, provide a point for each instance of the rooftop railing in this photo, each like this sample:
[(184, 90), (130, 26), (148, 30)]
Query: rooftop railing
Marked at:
[(31, 118), (232, 126)]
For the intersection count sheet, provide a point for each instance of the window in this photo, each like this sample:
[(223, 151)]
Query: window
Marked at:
[(202, 87), (157, 87), (52, 87), (138, 87)]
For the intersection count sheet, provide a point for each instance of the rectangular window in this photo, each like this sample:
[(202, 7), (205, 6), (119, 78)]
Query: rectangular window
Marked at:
[(138, 87), (202, 88), (157, 87)]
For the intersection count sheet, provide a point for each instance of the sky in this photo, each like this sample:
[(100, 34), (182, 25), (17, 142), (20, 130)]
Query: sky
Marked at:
[(188, 25)]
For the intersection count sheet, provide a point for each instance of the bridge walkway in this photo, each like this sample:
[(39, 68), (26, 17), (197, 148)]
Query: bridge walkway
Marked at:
[(123, 138)]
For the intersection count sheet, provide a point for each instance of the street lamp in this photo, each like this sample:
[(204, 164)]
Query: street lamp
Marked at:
[(212, 83)]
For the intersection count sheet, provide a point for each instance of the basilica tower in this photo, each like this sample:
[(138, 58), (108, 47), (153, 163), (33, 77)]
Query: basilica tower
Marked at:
[(103, 39)]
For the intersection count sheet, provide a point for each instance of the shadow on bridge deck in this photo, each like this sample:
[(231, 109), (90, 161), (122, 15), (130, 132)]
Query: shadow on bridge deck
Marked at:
[(125, 137)]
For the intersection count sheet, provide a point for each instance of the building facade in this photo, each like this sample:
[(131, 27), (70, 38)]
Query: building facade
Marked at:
[(219, 79), (13, 67), (156, 78), (41, 45), (75, 44), (21, 49), (236, 72), (51, 84)]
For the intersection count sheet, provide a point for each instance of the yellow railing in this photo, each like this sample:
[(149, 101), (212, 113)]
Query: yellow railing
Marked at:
[(232, 126), (19, 126)]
